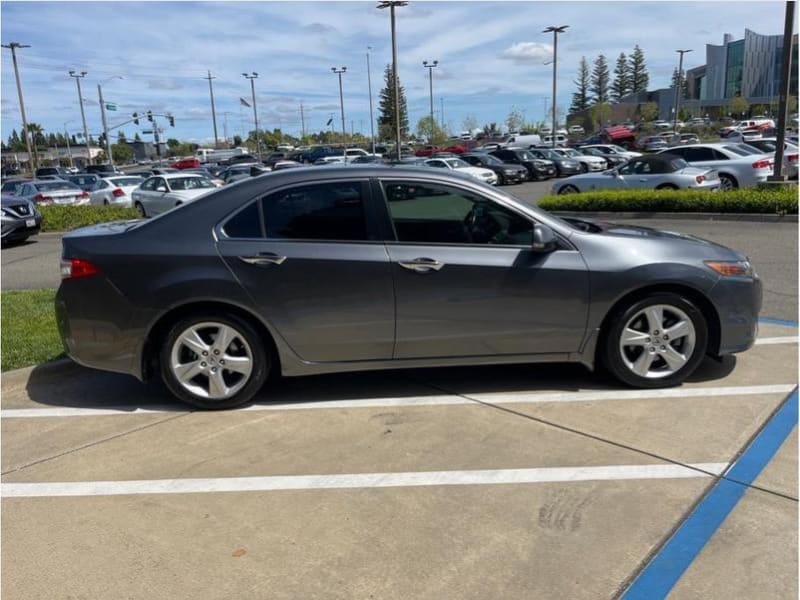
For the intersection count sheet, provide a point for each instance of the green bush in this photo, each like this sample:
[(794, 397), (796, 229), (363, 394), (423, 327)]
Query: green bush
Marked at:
[(751, 200), (65, 218)]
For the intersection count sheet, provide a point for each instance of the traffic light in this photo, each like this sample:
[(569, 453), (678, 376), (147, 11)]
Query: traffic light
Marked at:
[(171, 121), (150, 115), (136, 118)]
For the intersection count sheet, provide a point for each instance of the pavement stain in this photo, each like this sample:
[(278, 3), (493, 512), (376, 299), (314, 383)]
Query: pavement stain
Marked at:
[(563, 511), (239, 552)]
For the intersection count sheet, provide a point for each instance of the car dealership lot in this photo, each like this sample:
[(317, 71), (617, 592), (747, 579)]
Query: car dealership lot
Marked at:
[(539, 481)]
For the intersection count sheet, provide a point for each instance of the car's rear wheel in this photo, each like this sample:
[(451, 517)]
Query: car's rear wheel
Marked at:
[(501, 180), (568, 189), (726, 182), (105, 201), (584, 167), (214, 361), (139, 207), (657, 341), (667, 186)]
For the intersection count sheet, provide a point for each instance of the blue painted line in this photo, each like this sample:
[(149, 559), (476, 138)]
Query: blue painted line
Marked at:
[(772, 321), (667, 567)]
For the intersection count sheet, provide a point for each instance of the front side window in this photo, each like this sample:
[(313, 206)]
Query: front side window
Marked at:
[(427, 213), (148, 184), (160, 185), (325, 211), (190, 183)]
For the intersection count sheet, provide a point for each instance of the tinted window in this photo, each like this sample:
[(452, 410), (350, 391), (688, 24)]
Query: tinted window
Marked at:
[(437, 214), (245, 224), (698, 154), (328, 211), (160, 185), (148, 184)]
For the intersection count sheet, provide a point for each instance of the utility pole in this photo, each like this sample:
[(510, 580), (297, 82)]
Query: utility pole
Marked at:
[(441, 113), (786, 70), (213, 110), (341, 108), (110, 157), (78, 78), (555, 31), (252, 79), (69, 152), (302, 123), (391, 5), (371, 118), (678, 86), (32, 158), (430, 66)]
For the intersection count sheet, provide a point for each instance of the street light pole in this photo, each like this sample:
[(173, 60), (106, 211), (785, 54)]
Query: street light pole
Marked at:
[(69, 151), (391, 5), (26, 132), (786, 70), (341, 108), (430, 66), (78, 78), (555, 30), (103, 116), (371, 118), (678, 86), (252, 78), (213, 109)]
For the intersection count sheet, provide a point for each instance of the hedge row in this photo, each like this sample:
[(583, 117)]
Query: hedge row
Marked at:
[(65, 218), (751, 200)]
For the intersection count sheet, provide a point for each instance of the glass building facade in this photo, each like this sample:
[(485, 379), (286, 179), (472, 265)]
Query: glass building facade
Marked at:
[(734, 68)]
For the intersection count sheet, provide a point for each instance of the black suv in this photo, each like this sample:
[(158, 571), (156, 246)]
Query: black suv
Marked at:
[(506, 172), (539, 169)]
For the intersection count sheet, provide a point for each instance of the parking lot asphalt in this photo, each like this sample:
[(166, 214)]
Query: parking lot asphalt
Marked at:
[(514, 482)]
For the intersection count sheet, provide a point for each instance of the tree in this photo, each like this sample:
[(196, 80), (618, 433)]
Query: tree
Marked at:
[(601, 112), (514, 120), (638, 71), (73, 140), (428, 129), (387, 117), (15, 142), (490, 128), (621, 85), (581, 99), (37, 134), (121, 152), (469, 123), (136, 137), (648, 112), (739, 106), (120, 138), (684, 84), (237, 140), (172, 143), (600, 80)]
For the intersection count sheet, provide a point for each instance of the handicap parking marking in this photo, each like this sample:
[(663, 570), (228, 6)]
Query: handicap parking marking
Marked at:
[(436, 400), (773, 321)]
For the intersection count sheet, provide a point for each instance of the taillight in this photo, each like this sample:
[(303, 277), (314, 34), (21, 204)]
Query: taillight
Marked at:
[(118, 193), (72, 268), (791, 158), (83, 195), (42, 199), (761, 164), (700, 178)]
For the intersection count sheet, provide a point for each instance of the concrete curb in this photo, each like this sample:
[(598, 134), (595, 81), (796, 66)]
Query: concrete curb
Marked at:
[(686, 216), (21, 375)]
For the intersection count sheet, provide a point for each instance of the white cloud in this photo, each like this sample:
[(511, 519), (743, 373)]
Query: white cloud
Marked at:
[(528, 53)]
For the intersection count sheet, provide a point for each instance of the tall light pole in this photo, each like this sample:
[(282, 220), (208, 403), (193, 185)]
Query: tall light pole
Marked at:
[(430, 66), (555, 31), (103, 116), (678, 86), (26, 132), (252, 78), (441, 114), (391, 5), (786, 71), (371, 118), (78, 78), (341, 108), (69, 152), (213, 109)]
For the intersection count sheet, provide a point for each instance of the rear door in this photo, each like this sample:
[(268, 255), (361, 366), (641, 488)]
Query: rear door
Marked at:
[(310, 258)]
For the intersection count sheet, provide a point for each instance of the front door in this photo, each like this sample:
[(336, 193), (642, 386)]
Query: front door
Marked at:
[(468, 282), (315, 270)]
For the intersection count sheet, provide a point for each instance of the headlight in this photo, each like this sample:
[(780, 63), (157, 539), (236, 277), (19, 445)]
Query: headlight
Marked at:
[(731, 268), (509, 171)]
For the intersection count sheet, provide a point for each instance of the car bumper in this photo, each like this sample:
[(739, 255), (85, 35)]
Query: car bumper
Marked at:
[(14, 229), (566, 171), (596, 166), (738, 302), (515, 176)]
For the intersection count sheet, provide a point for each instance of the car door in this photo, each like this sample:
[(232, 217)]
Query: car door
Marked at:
[(159, 196), (316, 269), (636, 174), (467, 281)]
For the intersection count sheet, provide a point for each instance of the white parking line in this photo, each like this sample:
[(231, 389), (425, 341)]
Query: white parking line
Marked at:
[(777, 340), (439, 400), (359, 480)]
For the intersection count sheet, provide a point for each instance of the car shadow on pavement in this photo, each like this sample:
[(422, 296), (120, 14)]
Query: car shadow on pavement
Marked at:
[(67, 384)]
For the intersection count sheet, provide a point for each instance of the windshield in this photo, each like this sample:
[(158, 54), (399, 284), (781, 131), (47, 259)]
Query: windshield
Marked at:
[(525, 155), (572, 152), (126, 181), (491, 160), (55, 186), (551, 154), (618, 148), (457, 163), (190, 183)]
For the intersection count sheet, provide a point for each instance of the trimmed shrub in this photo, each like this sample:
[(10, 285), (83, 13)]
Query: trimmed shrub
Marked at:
[(750, 200), (65, 218)]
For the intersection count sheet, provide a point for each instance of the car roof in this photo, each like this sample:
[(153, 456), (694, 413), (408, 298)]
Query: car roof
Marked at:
[(177, 175)]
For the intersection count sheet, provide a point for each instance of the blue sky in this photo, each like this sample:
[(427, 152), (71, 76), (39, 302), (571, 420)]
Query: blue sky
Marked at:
[(490, 55)]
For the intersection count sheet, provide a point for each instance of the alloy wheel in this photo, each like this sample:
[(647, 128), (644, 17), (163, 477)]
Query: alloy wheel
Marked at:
[(657, 341)]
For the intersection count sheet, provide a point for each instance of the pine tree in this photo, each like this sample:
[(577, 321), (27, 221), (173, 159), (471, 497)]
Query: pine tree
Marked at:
[(580, 99), (600, 80), (386, 119), (136, 137), (684, 84), (638, 71), (622, 79)]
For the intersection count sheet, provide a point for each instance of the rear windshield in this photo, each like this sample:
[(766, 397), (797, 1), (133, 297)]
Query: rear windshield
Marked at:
[(126, 181), (190, 183), (678, 163), (741, 149), (54, 186)]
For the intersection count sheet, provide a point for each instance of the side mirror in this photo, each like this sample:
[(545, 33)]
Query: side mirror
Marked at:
[(544, 239), (615, 173)]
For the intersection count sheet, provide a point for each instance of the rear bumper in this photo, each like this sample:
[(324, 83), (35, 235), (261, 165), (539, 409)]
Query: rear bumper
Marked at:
[(738, 302)]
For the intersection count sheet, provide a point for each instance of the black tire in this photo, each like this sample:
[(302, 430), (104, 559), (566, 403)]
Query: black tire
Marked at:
[(568, 189), (610, 355), (584, 167), (667, 186), (727, 182), (262, 363), (501, 180), (138, 206), (105, 201)]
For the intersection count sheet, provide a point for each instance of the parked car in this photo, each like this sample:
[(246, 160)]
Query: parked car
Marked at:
[(653, 143), (612, 160), (587, 161), (291, 164), (576, 130), (659, 124), (153, 171), (20, 219), (561, 140), (611, 149), (538, 168), (59, 192), (564, 166), (505, 172), (161, 193), (239, 172), (770, 145), (48, 171), (682, 139), (426, 151), (10, 187), (653, 172), (312, 154), (206, 171), (742, 136), (186, 163), (103, 170), (115, 190), (761, 123), (738, 165), (85, 181), (370, 158), (213, 308), (456, 164), (523, 140)]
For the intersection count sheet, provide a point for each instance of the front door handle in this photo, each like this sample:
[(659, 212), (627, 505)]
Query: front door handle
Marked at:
[(421, 265), (264, 258)]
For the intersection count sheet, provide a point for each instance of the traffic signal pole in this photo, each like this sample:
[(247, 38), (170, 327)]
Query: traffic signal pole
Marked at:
[(105, 126)]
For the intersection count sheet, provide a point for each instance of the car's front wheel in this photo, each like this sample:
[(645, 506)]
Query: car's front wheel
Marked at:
[(567, 189), (140, 208), (214, 361), (657, 341)]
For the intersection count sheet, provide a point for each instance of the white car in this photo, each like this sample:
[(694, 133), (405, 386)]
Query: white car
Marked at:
[(614, 149), (161, 193), (790, 153), (588, 162), (576, 130), (738, 165), (461, 166), (115, 190)]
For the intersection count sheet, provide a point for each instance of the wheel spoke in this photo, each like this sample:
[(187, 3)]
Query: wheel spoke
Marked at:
[(238, 364), (679, 330), (642, 365), (631, 337), (216, 385), (192, 340), (655, 317), (225, 336), (186, 372), (674, 359)]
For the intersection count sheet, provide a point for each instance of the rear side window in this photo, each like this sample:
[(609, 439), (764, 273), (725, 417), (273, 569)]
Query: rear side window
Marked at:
[(244, 224), (326, 211)]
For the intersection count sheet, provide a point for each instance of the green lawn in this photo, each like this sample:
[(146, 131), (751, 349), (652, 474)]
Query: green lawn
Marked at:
[(29, 333)]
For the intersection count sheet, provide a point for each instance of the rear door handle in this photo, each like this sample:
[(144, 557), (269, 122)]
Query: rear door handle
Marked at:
[(263, 258), (421, 265)]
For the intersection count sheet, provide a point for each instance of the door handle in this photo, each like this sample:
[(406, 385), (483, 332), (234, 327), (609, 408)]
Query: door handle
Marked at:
[(643, 180), (421, 265), (265, 258)]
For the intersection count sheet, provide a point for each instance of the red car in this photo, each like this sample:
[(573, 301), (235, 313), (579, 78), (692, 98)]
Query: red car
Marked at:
[(456, 149), (186, 163), (427, 151)]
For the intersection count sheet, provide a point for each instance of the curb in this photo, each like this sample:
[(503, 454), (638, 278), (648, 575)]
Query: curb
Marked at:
[(686, 216)]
